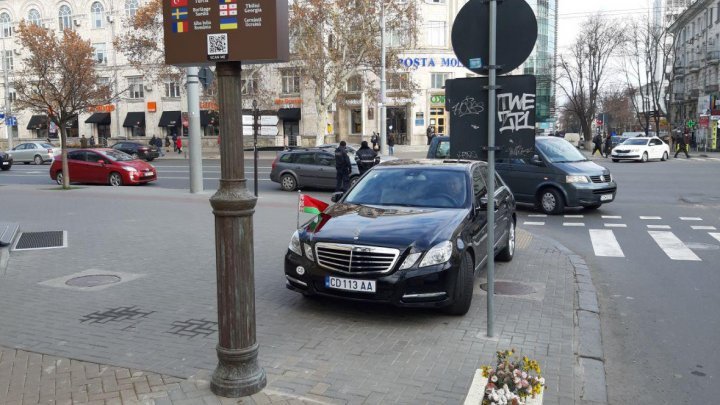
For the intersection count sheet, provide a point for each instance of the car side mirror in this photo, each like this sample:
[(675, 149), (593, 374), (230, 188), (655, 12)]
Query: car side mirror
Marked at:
[(536, 160), (102, 162), (336, 196)]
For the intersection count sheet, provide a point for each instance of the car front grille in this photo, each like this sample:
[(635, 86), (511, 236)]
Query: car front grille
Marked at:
[(605, 178), (355, 259), (622, 150), (605, 190)]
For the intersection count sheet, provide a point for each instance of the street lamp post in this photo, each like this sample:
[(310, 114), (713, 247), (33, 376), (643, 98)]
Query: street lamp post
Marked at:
[(383, 84), (8, 109)]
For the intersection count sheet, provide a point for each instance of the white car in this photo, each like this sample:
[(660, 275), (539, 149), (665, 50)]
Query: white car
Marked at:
[(34, 152), (642, 148)]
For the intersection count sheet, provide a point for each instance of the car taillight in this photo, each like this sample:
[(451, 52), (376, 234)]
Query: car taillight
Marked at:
[(275, 162), (143, 149), (50, 151)]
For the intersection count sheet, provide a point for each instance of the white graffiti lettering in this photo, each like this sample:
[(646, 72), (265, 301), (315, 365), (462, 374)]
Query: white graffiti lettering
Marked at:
[(514, 111), (468, 107)]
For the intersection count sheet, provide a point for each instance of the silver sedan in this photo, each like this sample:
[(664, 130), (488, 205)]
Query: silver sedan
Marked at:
[(34, 152)]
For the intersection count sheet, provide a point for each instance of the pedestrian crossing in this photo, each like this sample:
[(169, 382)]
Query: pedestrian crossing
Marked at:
[(611, 235)]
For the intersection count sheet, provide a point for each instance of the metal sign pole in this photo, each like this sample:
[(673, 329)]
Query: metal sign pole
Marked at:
[(491, 171), (256, 128)]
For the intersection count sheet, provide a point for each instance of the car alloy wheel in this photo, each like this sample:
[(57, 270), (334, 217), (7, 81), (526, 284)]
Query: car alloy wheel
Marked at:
[(115, 179), (353, 180), (38, 160), (508, 251), (463, 287), (135, 155), (644, 157), (288, 182), (664, 157), (59, 178), (551, 201)]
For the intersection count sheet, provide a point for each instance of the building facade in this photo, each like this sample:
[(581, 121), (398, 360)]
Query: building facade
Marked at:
[(695, 103)]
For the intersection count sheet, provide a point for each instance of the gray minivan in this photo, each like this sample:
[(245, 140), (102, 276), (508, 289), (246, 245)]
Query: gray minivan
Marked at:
[(557, 176)]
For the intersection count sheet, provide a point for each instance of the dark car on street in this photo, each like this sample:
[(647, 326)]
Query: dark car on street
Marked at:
[(313, 167), (555, 177), (6, 161), (138, 150), (411, 233), (103, 166)]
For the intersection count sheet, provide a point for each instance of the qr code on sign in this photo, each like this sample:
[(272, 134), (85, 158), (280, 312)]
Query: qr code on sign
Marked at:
[(217, 44)]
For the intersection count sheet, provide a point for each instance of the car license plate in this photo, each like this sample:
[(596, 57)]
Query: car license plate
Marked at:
[(6, 163), (347, 284), (606, 197), (148, 174)]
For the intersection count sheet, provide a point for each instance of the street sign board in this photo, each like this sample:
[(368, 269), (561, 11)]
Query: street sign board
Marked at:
[(202, 32), (466, 101)]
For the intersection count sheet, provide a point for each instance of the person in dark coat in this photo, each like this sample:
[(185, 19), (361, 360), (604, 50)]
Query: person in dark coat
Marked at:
[(365, 157), (608, 145), (682, 141), (597, 141), (430, 132), (343, 167), (375, 140), (391, 144)]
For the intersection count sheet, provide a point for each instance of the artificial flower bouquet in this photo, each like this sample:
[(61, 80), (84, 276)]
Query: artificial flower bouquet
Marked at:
[(513, 380)]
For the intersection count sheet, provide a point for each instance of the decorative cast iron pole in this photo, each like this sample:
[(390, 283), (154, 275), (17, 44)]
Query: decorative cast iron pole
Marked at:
[(238, 372)]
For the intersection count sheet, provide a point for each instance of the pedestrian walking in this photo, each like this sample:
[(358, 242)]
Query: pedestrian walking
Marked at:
[(597, 141), (391, 144), (343, 167), (174, 141), (83, 142), (682, 141), (159, 145), (92, 141), (167, 143), (365, 157), (608, 145), (374, 139), (178, 144), (430, 133)]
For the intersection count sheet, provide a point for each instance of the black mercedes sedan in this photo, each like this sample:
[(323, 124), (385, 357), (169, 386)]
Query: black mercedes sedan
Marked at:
[(411, 233), (6, 160), (138, 150)]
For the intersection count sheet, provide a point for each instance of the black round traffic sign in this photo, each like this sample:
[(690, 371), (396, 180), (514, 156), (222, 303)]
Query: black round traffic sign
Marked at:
[(516, 35)]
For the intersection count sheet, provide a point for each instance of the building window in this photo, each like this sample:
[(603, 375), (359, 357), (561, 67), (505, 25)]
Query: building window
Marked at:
[(64, 18), (97, 11), (290, 82), (5, 25), (8, 61), (11, 94), (104, 81), (249, 85), (356, 121), (437, 80), (397, 81), (100, 53), (131, 7), (355, 84), (172, 89), (396, 38), (436, 33), (135, 88), (34, 17)]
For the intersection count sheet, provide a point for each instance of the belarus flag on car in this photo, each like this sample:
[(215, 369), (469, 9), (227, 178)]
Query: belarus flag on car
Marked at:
[(311, 205)]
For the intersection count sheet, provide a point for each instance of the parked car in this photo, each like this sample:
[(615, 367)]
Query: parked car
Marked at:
[(6, 161), (557, 176), (641, 149), (312, 167), (103, 166), (410, 233), (138, 150), (35, 152), (351, 148)]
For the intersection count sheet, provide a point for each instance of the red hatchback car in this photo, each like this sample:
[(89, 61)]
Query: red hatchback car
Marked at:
[(104, 166)]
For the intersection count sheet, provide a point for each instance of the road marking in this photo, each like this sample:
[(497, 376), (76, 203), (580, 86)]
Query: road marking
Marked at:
[(204, 178), (533, 223), (642, 217), (616, 225), (691, 218), (605, 244), (537, 215), (573, 224), (658, 226), (612, 217), (703, 228), (573, 216), (715, 235), (672, 246)]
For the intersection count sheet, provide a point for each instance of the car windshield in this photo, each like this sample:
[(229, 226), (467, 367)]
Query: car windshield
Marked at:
[(412, 187), (117, 156), (46, 145), (635, 141), (558, 150)]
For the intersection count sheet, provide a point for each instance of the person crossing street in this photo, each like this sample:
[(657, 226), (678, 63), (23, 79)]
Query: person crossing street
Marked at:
[(682, 141), (365, 157), (343, 167)]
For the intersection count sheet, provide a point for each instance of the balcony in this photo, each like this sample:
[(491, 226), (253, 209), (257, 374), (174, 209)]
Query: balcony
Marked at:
[(713, 57), (694, 66)]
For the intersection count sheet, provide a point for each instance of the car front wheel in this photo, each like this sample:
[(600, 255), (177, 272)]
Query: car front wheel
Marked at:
[(135, 155), (353, 180), (508, 251), (644, 157), (115, 179), (551, 202), (38, 160), (59, 178), (288, 182), (463, 287), (6, 168), (664, 157)]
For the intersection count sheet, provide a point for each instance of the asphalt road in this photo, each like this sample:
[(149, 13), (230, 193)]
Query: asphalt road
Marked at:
[(658, 284)]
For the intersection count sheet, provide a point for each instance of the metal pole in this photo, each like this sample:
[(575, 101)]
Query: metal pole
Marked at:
[(491, 171), (238, 373), (8, 109), (116, 97), (256, 128), (195, 144), (383, 111)]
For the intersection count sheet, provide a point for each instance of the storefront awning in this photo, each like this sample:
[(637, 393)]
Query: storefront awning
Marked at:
[(99, 118), (169, 119), (134, 119), (38, 122), (289, 114)]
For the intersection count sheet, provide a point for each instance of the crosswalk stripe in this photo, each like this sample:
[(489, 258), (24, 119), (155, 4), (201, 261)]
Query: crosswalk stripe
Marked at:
[(672, 246), (642, 217), (533, 223), (658, 226), (604, 243), (537, 215), (573, 224), (703, 228), (574, 216), (715, 235), (691, 218), (616, 225), (612, 217)]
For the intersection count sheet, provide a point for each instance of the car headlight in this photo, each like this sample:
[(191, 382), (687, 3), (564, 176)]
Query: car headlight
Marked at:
[(410, 260), (129, 169), (308, 251), (438, 254), (576, 179), (295, 244)]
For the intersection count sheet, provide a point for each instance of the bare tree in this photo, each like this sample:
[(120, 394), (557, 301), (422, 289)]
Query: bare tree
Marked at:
[(617, 106), (581, 74), (568, 120), (337, 40), (648, 48), (58, 77)]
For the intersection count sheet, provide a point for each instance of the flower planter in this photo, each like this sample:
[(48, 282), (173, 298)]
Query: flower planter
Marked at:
[(477, 391)]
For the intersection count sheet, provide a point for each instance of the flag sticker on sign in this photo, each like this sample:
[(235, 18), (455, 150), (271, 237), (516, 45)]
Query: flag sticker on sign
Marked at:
[(180, 26), (178, 3), (228, 23), (179, 13)]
